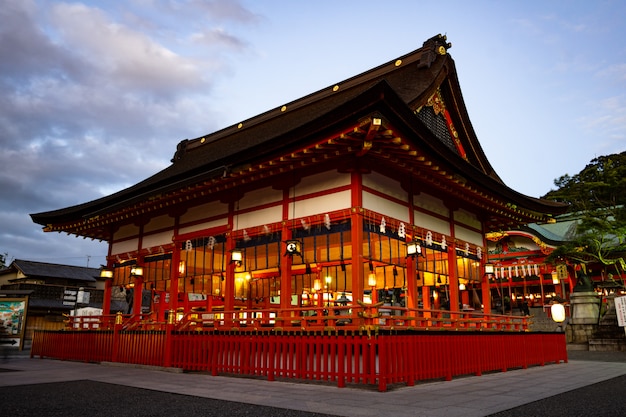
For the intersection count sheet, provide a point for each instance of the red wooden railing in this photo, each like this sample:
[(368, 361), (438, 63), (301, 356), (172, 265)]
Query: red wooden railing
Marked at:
[(370, 349), (358, 317)]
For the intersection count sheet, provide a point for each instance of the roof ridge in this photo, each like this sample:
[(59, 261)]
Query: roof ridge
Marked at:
[(429, 49)]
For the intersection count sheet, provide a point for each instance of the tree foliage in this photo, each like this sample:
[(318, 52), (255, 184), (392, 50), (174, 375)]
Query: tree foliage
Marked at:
[(598, 195), (601, 184)]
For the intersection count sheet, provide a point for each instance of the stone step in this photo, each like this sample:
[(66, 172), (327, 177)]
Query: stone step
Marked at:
[(606, 345)]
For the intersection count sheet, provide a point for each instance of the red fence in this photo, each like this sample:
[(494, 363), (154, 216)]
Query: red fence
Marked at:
[(342, 357)]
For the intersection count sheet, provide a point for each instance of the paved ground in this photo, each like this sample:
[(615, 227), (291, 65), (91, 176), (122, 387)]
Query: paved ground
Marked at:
[(591, 384)]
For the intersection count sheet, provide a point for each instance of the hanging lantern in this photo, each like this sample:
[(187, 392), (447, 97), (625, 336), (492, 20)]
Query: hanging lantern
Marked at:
[(371, 280), (413, 248), (236, 256), (558, 312), (555, 277), (294, 247)]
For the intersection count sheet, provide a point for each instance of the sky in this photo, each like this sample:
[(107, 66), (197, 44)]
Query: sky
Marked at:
[(95, 95)]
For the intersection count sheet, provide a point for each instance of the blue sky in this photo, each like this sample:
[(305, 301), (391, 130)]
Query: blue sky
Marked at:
[(95, 95)]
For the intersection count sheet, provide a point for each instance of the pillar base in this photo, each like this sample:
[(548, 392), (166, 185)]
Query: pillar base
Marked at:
[(585, 307)]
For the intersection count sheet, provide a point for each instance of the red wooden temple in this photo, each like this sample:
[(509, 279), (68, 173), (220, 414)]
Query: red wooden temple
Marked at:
[(340, 237)]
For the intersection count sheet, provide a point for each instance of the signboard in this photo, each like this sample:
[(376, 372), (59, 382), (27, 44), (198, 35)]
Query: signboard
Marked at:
[(69, 297), (12, 321), (620, 310), (561, 271)]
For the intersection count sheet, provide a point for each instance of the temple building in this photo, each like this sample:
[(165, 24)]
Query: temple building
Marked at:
[(371, 190), (524, 280)]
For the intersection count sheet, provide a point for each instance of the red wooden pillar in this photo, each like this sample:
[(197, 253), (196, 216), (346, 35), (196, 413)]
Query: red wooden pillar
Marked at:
[(106, 302), (453, 279), (411, 262), (465, 296), (286, 261), (229, 281), (486, 292), (108, 285), (485, 282), (174, 274), (356, 235), (411, 283), (285, 271), (168, 351), (137, 296)]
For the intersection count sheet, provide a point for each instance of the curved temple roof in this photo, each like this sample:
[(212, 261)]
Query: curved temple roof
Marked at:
[(408, 112)]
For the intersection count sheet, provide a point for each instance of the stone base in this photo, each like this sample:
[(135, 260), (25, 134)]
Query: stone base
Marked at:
[(577, 346), (580, 333), (585, 307), (607, 345)]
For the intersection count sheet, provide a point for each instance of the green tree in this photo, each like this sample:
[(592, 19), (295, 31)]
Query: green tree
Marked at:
[(602, 183), (597, 196)]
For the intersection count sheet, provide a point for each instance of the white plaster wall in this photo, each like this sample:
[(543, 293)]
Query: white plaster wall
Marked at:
[(467, 235), (203, 226), (321, 182), (467, 218), (204, 211), (385, 207), (385, 185), (124, 247), (260, 197), (321, 204), (157, 239), (126, 231), (258, 217), (432, 204), (432, 223), (157, 223)]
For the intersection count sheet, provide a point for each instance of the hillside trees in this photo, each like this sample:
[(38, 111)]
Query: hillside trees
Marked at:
[(598, 195)]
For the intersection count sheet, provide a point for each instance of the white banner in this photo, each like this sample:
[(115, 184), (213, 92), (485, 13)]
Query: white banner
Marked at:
[(620, 309)]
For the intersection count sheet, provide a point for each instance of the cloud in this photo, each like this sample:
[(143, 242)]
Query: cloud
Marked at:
[(217, 10), (91, 104), (118, 57), (217, 36)]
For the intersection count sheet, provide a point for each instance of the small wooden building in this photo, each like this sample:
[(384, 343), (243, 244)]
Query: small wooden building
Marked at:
[(371, 191), (52, 291)]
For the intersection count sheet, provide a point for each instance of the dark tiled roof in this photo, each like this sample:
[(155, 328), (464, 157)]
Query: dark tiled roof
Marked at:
[(399, 87), (47, 270), (43, 303)]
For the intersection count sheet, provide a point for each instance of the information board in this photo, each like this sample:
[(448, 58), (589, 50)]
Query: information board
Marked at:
[(620, 309), (12, 321)]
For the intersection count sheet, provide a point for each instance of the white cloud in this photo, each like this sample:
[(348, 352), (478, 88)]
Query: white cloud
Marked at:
[(120, 56), (90, 104)]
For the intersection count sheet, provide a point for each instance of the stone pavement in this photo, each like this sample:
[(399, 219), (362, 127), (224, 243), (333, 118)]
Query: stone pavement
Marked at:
[(50, 387)]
